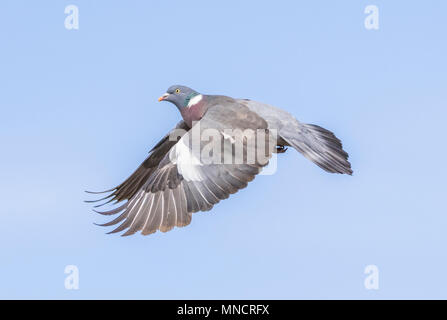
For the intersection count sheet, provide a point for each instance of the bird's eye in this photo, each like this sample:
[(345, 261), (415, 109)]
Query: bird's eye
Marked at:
[(177, 90)]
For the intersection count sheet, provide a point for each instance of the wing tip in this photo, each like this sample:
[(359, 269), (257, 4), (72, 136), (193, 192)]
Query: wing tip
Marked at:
[(99, 192)]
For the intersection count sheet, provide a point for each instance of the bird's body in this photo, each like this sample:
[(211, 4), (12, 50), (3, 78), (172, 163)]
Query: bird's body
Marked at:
[(176, 179)]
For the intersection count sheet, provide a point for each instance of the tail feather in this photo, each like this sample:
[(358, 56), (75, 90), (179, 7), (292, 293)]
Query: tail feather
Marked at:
[(321, 147)]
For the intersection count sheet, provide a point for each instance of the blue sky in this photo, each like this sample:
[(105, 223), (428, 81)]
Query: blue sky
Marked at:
[(79, 111)]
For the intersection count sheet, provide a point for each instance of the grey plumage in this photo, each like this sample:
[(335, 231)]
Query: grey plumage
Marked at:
[(164, 191), (317, 144)]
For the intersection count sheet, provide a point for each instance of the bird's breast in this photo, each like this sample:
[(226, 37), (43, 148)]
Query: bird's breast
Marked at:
[(193, 113)]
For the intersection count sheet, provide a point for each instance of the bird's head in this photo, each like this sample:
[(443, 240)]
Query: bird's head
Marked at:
[(179, 95)]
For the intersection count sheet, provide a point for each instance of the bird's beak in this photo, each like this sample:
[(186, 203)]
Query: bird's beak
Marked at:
[(163, 97)]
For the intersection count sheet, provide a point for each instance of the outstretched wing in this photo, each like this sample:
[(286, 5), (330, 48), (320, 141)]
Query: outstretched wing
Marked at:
[(184, 183), (136, 180)]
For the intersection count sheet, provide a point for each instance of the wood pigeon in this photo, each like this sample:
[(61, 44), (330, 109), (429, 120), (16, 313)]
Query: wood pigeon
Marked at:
[(174, 181)]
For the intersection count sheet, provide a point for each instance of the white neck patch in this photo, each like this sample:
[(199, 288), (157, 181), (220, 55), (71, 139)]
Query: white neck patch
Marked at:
[(194, 100)]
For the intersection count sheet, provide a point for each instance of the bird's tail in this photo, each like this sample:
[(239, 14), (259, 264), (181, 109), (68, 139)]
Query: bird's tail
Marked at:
[(320, 146)]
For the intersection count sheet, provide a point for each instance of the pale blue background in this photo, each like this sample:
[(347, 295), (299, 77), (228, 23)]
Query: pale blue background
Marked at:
[(79, 111)]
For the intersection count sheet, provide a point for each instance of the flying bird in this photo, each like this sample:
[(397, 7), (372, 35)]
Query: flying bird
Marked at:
[(174, 181)]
